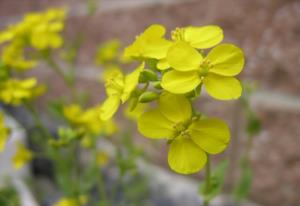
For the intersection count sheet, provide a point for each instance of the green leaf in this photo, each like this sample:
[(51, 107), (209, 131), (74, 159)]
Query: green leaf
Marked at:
[(216, 181), (243, 187)]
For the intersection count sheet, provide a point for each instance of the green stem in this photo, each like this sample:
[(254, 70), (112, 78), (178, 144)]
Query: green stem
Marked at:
[(207, 181), (37, 120)]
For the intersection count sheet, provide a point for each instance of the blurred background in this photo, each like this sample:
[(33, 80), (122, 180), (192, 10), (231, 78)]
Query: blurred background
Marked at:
[(267, 30)]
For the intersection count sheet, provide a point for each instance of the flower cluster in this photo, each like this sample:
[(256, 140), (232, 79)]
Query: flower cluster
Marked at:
[(37, 31), (172, 73)]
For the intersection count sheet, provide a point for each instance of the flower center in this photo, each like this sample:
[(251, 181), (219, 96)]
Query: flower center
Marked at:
[(181, 130), (177, 34), (204, 68), (115, 84)]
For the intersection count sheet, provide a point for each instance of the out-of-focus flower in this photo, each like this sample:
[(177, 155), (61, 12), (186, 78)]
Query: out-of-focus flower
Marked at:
[(37, 30), (22, 156), (83, 199), (108, 52), (13, 56), (190, 137), (109, 71), (102, 158), (118, 90), (4, 132), (88, 120), (16, 92)]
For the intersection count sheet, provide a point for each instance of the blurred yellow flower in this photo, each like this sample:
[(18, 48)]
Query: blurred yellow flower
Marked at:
[(108, 52), (102, 158), (118, 90), (22, 156), (190, 137), (16, 92), (88, 120), (38, 30), (4, 132), (83, 199)]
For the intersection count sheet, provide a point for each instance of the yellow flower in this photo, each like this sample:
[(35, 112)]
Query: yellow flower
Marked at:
[(150, 44), (110, 71), (216, 71), (13, 56), (190, 137), (203, 37), (108, 52), (4, 132), (118, 90), (22, 156), (15, 91), (102, 158), (88, 120), (72, 201), (37, 30)]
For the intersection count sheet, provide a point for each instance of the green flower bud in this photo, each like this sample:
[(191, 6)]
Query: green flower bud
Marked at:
[(148, 97), (147, 75)]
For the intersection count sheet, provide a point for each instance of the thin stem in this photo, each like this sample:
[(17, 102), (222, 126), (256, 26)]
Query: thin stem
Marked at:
[(37, 120), (207, 181)]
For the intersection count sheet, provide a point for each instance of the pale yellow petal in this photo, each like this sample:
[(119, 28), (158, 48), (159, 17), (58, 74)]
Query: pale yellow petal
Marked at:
[(212, 135), (153, 124), (185, 156), (203, 37), (182, 57), (174, 107), (227, 60), (180, 82), (221, 87)]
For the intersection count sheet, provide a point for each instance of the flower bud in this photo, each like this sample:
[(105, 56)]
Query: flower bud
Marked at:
[(148, 97)]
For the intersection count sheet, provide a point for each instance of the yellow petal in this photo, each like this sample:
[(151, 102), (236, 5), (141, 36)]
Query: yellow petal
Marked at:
[(176, 108), (227, 60), (212, 135), (222, 88), (131, 81), (182, 57), (109, 107), (185, 156), (149, 44), (203, 37), (163, 64), (153, 124), (180, 82)]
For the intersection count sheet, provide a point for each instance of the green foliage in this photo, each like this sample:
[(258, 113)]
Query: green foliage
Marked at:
[(243, 187), (9, 197)]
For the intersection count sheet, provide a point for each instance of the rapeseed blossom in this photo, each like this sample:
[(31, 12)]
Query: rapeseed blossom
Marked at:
[(88, 121), (4, 132), (68, 201), (22, 156), (37, 31), (191, 138), (118, 89), (216, 71), (16, 91)]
